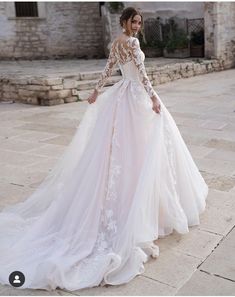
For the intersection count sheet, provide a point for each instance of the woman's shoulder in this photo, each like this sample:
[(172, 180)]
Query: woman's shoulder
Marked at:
[(128, 40)]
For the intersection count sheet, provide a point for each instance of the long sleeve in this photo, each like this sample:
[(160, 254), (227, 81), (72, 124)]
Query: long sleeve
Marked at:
[(111, 62), (137, 58)]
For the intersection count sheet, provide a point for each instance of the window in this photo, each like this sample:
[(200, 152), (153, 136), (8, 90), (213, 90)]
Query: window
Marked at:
[(26, 9)]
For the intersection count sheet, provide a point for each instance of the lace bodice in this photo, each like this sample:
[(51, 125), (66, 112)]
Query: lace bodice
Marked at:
[(122, 52)]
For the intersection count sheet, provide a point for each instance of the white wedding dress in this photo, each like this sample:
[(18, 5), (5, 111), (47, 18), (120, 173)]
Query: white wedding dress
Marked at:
[(125, 180)]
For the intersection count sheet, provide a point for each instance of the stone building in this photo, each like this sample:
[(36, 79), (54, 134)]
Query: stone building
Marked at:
[(38, 30), (58, 30), (50, 30)]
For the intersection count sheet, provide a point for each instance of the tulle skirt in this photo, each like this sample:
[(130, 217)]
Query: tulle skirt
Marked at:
[(125, 180)]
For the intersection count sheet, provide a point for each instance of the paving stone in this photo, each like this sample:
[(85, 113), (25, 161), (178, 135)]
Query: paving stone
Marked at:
[(222, 261), (217, 182), (18, 158), (10, 291), (198, 151), (140, 285), (167, 268), (225, 145), (204, 284), (220, 167), (197, 243)]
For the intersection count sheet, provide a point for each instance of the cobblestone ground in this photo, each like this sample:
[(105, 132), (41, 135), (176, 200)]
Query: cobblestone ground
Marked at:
[(202, 262)]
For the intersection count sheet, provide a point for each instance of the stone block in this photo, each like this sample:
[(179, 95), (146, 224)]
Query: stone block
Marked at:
[(70, 84), (38, 88), (53, 81), (70, 99), (19, 81), (57, 87), (26, 93), (10, 95), (60, 94), (32, 100), (37, 81), (49, 102), (74, 92), (9, 87)]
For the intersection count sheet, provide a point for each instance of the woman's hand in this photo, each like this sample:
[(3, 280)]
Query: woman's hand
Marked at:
[(156, 105), (92, 98)]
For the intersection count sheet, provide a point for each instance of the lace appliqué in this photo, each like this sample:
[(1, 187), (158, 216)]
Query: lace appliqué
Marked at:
[(123, 52), (111, 62), (108, 222), (137, 58)]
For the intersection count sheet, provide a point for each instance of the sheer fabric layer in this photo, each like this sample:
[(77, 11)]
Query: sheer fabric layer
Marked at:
[(126, 179)]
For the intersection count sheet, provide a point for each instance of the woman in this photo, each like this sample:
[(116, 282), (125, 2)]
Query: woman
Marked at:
[(126, 179)]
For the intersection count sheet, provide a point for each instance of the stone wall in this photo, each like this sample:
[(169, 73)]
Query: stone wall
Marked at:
[(59, 90), (63, 30), (220, 32)]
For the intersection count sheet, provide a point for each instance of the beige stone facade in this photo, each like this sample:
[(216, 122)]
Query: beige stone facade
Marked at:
[(61, 30), (85, 29)]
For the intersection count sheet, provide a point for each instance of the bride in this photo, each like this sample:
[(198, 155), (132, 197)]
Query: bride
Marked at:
[(125, 180)]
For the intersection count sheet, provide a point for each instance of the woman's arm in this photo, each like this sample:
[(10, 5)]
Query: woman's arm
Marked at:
[(111, 62), (137, 58)]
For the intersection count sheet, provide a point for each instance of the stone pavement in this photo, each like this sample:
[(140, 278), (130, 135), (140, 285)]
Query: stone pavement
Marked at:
[(202, 262)]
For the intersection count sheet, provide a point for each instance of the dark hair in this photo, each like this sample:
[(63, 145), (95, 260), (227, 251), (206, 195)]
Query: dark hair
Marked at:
[(131, 12)]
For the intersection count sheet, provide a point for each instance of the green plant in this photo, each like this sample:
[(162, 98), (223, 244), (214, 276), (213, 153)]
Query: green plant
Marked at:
[(197, 38), (178, 40), (152, 43), (115, 7), (169, 29), (173, 37)]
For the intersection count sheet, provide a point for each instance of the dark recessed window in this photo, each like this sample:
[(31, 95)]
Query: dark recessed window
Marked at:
[(26, 9)]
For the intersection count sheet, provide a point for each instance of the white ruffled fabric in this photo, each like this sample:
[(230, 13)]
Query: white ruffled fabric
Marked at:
[(126, 179)]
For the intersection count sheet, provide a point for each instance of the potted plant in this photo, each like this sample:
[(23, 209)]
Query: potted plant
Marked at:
[(176, 41), (115, 7), (177, 46), (152, 48), (197, 44)]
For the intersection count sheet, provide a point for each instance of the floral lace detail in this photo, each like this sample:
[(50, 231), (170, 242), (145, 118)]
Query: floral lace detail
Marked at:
[(111, 62), (108, 222), (124, 52), (136, 54), (114, 172)]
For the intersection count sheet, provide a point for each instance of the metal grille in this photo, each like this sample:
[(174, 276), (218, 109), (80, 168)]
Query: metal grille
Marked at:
[(194, 25), (152, 29), (26, 9)]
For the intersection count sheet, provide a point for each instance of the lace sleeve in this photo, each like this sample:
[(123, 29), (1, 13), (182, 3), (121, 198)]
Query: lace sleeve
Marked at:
[(111, 62), (137, 58)]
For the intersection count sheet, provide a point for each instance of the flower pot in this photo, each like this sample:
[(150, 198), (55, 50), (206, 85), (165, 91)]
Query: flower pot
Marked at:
[(177, 53), (197, 50), (152, 52)]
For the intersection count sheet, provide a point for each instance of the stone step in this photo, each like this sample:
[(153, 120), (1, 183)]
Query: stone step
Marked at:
[(91, 75), (52, 90), (84, 94), (90, 84)]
